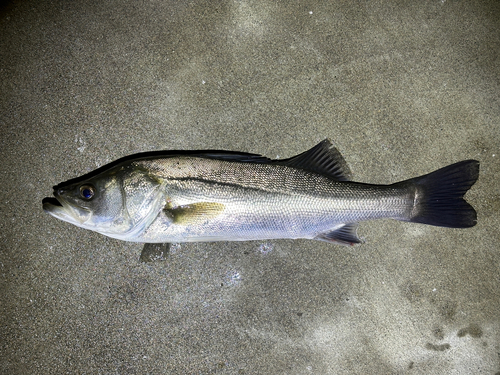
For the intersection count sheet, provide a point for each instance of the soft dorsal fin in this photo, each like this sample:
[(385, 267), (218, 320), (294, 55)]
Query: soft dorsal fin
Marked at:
[(324, 159)]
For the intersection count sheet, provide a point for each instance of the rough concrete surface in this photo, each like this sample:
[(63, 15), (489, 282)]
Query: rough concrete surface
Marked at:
[(403, 88)]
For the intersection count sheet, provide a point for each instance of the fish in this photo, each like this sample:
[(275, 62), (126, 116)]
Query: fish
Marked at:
[(203, 196)]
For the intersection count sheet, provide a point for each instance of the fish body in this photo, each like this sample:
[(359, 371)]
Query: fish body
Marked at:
[(227, 196)]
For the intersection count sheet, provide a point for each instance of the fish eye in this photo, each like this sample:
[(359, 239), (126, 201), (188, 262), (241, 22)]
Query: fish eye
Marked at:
[(87, 192)]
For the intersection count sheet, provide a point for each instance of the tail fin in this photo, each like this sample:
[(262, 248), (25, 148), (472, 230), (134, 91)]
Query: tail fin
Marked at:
[(439, 196)]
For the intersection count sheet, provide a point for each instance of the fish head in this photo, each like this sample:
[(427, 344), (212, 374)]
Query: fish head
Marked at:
[(120, 202)]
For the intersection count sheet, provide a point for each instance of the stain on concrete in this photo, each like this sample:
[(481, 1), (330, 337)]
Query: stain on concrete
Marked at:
[(437, 348), (472, 330)]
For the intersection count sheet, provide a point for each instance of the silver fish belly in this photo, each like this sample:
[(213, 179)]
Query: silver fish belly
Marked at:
[(226, 196)]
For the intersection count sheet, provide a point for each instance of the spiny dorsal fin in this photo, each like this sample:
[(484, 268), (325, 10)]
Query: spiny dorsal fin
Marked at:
[(324, 159)]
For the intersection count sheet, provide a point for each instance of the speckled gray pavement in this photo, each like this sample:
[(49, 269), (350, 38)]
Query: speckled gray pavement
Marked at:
[(401, 89)]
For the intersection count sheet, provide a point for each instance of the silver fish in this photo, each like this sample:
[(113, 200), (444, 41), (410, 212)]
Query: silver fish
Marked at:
[(175, 197)]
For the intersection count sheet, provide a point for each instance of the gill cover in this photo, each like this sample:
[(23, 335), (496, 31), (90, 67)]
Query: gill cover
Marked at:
[(119, 202)]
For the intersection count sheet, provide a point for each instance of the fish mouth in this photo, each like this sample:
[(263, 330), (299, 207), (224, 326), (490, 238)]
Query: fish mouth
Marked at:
[(48, 202), (54, 207), (58, 207)]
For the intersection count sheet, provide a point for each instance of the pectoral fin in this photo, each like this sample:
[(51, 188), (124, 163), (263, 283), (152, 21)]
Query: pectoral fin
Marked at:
[(195, 213)]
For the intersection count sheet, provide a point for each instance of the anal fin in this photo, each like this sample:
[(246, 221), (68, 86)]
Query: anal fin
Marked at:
[(345, 235)]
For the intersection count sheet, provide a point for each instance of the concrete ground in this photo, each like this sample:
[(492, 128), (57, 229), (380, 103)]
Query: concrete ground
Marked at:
[(402, 89)]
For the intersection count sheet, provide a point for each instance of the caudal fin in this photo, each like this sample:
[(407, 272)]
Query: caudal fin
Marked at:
[(439, 196)]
